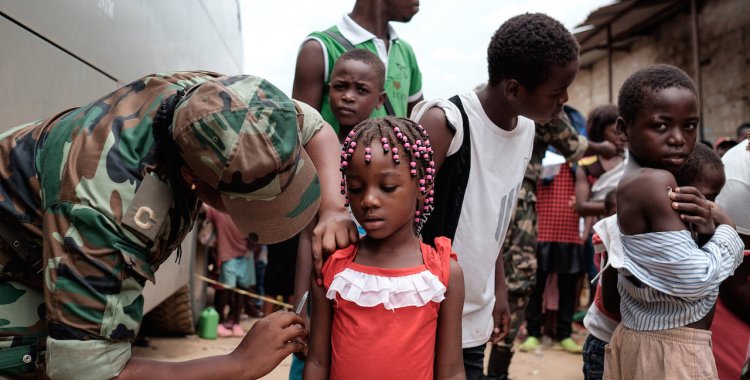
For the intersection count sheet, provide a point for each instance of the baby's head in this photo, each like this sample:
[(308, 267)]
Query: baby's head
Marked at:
[(602, 123), (356, 87), (535, 59), (658, 108), (388, 172), (704, 171)]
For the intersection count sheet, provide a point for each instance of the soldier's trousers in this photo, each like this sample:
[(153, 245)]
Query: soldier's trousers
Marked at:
[(519, 258)]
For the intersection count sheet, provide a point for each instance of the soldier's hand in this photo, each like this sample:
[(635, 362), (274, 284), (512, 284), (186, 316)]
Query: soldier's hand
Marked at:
[(335, 230), (269, 341)]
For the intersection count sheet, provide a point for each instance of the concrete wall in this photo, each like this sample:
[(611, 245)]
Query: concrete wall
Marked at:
[(725, 55)]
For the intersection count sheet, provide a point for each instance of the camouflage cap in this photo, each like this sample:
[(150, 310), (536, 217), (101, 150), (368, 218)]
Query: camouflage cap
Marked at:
[(240, 135)]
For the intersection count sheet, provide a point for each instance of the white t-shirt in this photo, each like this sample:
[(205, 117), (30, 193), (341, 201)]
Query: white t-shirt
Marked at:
[(734, 195), (498, 162)]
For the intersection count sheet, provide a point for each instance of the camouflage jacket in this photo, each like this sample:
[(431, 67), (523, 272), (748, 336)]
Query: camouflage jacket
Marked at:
[(563, 137), (69, 180)]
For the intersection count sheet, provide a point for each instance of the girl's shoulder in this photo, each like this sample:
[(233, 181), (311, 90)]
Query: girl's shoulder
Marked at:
[(437, 259), (644, 181), (337, 262)]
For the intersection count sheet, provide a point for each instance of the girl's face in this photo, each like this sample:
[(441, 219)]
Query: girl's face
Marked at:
[(663, 132), (382, 195)]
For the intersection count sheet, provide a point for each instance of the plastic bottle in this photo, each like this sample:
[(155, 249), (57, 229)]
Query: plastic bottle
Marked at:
[(208, 322)]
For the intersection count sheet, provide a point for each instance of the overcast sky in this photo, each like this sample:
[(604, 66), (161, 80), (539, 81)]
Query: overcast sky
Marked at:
[(449, 37)]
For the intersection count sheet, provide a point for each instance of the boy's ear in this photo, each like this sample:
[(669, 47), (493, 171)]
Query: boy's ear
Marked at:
[(512, 88), (381, 99), (622, 129)]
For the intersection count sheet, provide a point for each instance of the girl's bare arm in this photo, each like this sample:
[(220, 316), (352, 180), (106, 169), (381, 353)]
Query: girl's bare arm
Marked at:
[(448, 353), (318, 364)]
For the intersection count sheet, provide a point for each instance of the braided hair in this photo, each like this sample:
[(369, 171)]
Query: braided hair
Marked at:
[(392, 132)]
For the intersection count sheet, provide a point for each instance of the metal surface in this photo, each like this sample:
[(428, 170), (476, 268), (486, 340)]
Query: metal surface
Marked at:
[(84, 43), (63, 54)]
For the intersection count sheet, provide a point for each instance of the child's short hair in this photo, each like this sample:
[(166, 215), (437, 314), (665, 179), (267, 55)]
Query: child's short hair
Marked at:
[(695, 166), (527, 46), (599, 119), (368, 57), (652, 78)]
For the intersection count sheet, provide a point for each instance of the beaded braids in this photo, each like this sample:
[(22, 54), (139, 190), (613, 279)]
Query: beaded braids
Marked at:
[(391, 132)]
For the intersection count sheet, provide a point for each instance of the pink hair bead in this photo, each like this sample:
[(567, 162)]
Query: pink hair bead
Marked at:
[(428, 177), (396, 129), (368, 150), (395, 157), (368, 157), (345, 164), (417, 213), (399, 135), (354, 144), (350, 151), (383, 140), (432, 192), (422, 189), (421, 181), (426, 156), (394, 150), (416, 220), (432, 164), (386, 146), (413, 164), (413, 172)]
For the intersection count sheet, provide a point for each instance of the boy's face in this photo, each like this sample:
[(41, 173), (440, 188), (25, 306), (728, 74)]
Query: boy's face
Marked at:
[(355, 92), (545, 102), (663, 132)]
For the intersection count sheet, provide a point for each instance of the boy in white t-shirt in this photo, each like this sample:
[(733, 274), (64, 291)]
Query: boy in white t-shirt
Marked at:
[(482, 142)]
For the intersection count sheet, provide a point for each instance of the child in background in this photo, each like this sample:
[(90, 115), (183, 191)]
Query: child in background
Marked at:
[(236, 270), (356, 89), (703, 171), (391, 307), (668, 284), (731, 325)]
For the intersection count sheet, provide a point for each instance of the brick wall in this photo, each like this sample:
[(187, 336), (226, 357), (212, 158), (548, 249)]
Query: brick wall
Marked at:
[(724, 27)]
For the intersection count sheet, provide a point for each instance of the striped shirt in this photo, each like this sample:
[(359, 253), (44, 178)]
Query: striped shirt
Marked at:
[(680, 281)]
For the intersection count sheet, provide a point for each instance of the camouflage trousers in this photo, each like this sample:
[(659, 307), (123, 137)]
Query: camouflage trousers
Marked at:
[(23, 330), (519, 259)]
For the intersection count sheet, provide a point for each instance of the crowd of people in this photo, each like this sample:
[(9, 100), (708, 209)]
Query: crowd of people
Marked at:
[(423, 230)]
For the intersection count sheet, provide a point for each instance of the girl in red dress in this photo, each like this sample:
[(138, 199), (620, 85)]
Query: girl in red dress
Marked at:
[(391, 306)]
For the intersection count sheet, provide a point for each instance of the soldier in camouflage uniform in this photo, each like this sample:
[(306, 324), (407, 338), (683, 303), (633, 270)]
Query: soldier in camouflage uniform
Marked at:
[(519, 247), (109, 190)]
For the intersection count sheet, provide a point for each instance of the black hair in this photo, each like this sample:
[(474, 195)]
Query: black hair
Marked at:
[(391, 132), (707, 143), (368, 57), (653, 78), (703, 158), (741, 135), (599, 119), (526, 47)]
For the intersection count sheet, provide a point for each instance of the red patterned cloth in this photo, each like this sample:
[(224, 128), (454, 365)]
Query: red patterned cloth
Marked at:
[(558, 221)]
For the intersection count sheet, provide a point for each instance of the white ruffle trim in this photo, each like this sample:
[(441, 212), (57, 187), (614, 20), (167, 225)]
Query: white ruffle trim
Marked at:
[(370, 290)]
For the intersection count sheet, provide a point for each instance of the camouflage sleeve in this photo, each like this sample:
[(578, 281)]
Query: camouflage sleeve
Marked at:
[(312, 122), (94, 282), (561, 135)]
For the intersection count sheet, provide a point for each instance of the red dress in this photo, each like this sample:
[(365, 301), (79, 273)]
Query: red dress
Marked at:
[(385, 320)]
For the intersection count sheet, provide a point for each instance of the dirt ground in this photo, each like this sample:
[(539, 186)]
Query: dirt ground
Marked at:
[(549, 363)]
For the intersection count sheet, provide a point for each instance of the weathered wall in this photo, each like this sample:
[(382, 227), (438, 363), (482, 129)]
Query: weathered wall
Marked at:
[(725, 56)]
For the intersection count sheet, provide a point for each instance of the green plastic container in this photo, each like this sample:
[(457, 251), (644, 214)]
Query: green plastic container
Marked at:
[(208, 322)]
